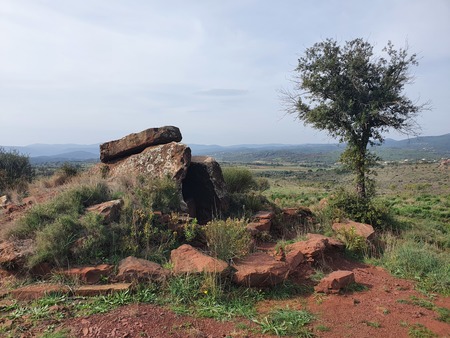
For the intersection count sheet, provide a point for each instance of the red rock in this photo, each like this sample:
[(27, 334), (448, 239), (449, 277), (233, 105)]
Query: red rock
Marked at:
[(90, 274), (335, 281), (331, 242), (110, 211), (97, 290), (132, 269), (264, 215), (137, 142), (260, 269), (187, 259), (259, 226), (312, 249), (31, 292), (294, 257), (166, 160), (361, 229)]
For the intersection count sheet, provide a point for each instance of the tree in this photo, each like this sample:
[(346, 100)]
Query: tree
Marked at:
[(356, 97), (15, 170)]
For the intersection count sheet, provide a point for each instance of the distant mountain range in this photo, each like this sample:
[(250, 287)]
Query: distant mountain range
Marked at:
[(428, 147)]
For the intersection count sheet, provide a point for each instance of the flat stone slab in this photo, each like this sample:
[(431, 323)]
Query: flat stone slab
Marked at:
[(187, 259), (137, 142), (36, 291), (97, 290), (335, 281)]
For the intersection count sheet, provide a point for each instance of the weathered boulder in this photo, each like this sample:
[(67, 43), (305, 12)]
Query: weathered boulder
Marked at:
[(90, 274), (260, 269), (109, 211), (138, 269), (204, 189), (335, 281), (364, 230), (137, 142), (331, 243), (166, 160), (187, 259)]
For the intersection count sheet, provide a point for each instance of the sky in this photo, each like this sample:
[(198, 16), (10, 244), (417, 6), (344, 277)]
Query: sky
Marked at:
[(91, 71)]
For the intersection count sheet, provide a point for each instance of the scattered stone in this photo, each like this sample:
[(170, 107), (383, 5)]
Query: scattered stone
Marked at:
[(97, 290), (137, 142), (187, 259), (90, 274), (166, 160), (132, 269), (4, 200), (312, 249), (332, 243), (259, 226), (13, 254), (204, 189), (260, 269), (264, 215), (110, 211), (335, 281), (36, 291), (364, 230)]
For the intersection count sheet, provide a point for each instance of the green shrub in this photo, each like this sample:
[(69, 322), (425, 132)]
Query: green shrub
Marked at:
[(228, 239), (344, 204), (53, 242), (69, 203), (246, 204), (238, 180), (423, 263), (158, 194), (15, 171)]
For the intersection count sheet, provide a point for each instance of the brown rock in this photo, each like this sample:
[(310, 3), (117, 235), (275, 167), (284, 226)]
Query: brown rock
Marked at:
[(31, 292), (360, 229), (335, 281), (97, 290), (159, 161), (90, 274), (135, 143), (204, 189), (187, 259), (293, 256), (110, 211), (261, 270), (132, 269)]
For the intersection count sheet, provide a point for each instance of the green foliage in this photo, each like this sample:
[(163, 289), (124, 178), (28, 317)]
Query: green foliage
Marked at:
[(15, 171), (246, 204), (420, 331), (354, 243), (287, 322), (355, 96), (423, 263), (158, 194), (228, 239), (344, 204), (238, 180)]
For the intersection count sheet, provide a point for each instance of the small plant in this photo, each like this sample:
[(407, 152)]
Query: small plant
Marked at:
[(228, 239), (323, 328), (190, 230), (284, 322), (372, 324), (420, 331)]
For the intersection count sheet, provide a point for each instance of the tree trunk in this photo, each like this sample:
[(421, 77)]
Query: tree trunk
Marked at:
[(360, 182)]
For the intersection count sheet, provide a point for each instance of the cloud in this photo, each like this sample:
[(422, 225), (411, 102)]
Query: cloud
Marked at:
[(222, 92)]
